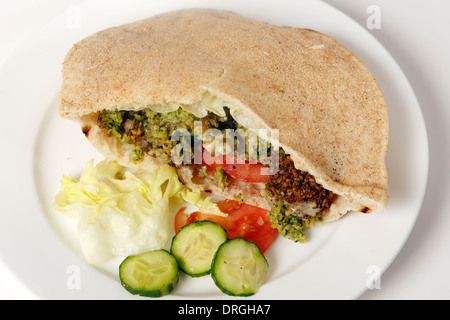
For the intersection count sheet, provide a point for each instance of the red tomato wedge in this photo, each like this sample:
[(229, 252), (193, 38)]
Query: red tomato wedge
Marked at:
[(248, 172), (243, 220)]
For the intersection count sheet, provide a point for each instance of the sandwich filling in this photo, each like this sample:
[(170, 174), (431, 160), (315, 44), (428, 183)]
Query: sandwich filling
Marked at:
[(297, 200)]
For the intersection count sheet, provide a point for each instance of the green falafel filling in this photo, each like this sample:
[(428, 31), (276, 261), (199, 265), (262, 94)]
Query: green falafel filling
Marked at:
[(148, 131), (152, 132), (288, 224)]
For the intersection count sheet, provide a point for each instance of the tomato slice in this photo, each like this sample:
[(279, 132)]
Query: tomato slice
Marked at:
[(248, 172), (182, 219), (212, 162), (243, 220)]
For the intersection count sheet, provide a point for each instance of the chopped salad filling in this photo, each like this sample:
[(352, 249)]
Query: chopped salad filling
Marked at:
[(296, 198)]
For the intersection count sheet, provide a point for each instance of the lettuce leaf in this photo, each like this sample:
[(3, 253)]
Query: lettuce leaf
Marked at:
[(122, 213)]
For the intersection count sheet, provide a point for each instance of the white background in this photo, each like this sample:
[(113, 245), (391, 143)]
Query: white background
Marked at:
[(417, 35)]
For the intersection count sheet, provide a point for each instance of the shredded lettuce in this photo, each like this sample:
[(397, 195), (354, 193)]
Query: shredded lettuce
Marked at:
[(122, 213)]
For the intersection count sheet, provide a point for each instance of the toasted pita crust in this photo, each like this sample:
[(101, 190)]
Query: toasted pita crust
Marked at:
[(330, 112)]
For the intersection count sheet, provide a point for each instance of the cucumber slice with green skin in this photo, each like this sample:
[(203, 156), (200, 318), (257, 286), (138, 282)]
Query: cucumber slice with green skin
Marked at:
[(150, 274), (195, 245), (239, 267)]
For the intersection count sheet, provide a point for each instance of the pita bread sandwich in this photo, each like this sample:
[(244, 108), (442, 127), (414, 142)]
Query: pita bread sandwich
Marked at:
[(193, 77)]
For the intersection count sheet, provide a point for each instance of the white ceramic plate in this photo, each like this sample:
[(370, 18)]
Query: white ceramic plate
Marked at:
[(40, 245)]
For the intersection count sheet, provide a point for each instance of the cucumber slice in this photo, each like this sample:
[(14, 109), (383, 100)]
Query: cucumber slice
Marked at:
[(150, 274), (239, 267), (195, 245)]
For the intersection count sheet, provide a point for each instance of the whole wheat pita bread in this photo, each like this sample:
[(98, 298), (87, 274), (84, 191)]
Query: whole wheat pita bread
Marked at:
[(329, 109)]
